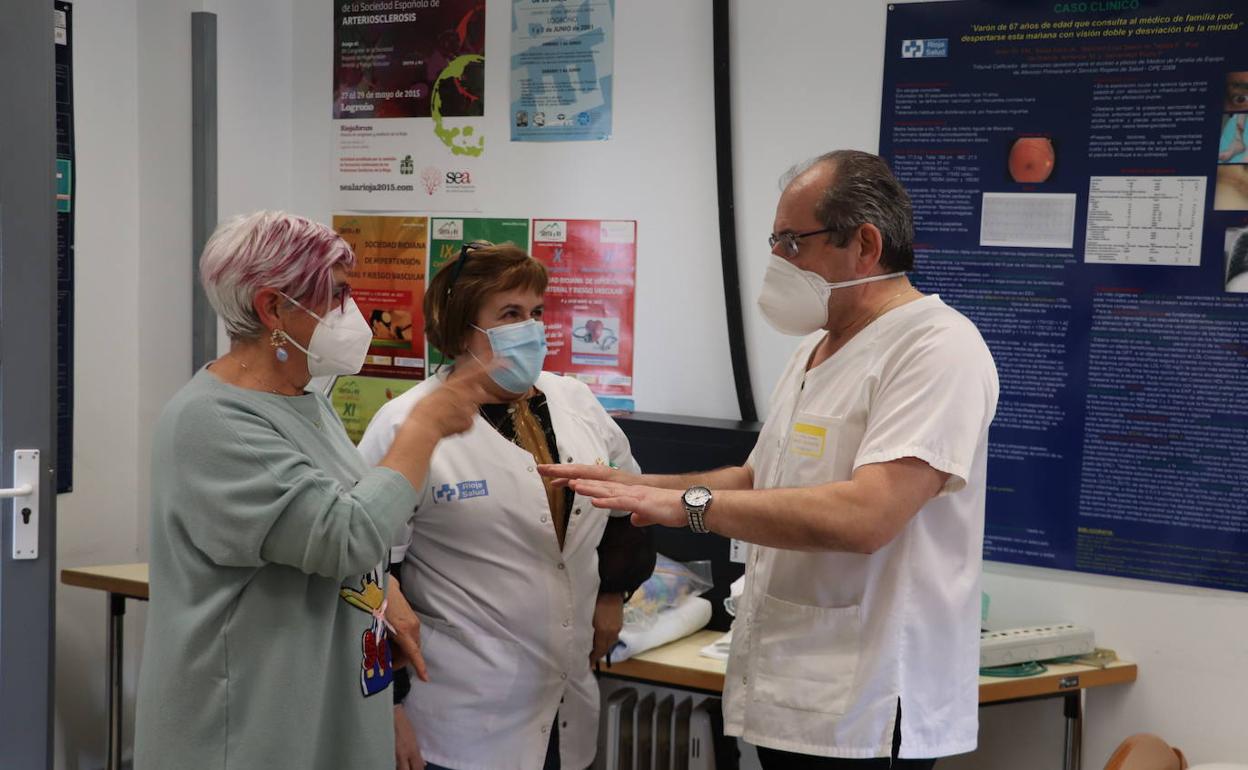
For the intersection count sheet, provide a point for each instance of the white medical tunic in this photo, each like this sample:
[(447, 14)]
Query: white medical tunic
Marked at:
[(825, 645), (505, 615)]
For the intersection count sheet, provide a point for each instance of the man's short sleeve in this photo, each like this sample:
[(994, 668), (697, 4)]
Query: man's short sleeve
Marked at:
[(934, 401)]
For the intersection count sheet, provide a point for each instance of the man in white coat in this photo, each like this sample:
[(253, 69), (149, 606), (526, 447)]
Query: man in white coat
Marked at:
[(864, 497)]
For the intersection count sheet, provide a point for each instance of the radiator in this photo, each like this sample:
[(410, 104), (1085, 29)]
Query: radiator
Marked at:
[(654, 731)]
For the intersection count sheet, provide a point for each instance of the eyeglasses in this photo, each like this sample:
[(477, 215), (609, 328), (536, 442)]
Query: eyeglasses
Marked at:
[(790, 240), (458, 267), (341, 294)]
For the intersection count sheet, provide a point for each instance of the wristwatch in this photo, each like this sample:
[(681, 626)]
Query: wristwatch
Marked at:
[(697, 500)]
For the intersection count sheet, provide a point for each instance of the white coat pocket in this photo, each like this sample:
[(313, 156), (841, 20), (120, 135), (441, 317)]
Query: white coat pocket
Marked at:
[(471, 677), (806, 656)]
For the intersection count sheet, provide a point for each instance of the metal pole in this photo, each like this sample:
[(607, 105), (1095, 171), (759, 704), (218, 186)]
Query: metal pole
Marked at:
[(116, 618), (1073, 709), (203, 178)]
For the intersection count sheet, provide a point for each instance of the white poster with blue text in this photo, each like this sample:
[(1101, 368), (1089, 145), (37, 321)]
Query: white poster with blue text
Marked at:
[(561, 66)]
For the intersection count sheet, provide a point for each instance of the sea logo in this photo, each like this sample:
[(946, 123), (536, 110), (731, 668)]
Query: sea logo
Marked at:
[(932, 47), (551, 231), (431, 178), (406, 166), (464, 490)]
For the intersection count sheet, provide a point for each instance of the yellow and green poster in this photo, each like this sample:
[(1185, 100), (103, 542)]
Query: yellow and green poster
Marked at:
[(357, 399)]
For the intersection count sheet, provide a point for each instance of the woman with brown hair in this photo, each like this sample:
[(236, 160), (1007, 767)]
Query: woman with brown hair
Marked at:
[(518, 584)]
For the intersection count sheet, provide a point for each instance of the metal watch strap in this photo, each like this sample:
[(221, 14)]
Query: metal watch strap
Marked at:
[(697, 518)]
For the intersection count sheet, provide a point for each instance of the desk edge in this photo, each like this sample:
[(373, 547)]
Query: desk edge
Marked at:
[(665, 675), (134, 589)]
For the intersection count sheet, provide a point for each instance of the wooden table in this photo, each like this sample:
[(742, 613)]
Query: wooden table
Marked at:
[(120, 582), (680, 665)]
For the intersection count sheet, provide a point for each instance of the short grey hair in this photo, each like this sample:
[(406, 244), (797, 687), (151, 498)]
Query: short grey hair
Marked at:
[(268, 249), (863, 190)]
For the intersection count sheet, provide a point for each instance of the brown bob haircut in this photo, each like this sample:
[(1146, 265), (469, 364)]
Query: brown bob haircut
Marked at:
[(455, 295)]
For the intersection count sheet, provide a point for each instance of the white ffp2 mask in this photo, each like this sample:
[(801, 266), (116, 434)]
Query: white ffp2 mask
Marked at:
[(795, 301), (339, 342)]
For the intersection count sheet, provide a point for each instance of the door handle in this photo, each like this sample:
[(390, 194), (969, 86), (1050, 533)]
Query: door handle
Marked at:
[(25, 490)]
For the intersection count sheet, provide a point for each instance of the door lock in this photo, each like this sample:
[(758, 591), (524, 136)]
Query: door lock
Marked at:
[(25, 497)]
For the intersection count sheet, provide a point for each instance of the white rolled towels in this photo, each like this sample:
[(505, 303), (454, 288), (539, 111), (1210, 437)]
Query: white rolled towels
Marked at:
[(671, 624)]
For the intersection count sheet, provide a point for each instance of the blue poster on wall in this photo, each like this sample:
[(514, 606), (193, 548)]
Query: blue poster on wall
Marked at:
[(1080, 192), (561, 70)]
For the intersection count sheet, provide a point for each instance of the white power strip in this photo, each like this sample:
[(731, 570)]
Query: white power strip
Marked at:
[(1019, 645)]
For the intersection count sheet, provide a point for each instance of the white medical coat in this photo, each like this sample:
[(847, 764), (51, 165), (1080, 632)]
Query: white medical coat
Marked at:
[(825, 644), (506, 617)]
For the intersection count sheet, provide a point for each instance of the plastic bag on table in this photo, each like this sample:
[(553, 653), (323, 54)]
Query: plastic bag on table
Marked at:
[(671, 584)]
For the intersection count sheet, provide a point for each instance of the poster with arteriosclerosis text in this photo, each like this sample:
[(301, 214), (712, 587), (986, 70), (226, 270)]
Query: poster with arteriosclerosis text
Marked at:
[(408, 101), (1077, 177)]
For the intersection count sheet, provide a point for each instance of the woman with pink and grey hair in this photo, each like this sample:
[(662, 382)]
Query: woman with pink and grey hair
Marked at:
[(266, 638)]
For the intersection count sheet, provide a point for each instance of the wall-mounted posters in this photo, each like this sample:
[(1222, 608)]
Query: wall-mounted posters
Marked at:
[(589, 302), (409, 84), (388, 285), (1080, 192), (448, 235), (561, 70)]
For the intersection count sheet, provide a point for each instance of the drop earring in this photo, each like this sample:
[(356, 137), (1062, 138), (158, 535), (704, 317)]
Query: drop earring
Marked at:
[(278, 341)]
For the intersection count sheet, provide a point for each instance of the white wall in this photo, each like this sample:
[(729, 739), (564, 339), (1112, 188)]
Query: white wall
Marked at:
[(255, 101)]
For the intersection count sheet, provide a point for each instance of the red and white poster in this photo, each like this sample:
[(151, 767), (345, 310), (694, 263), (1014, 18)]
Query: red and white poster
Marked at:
[(589, 302)]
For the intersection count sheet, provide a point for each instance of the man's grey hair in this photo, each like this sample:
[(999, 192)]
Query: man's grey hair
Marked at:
[(863, 190)]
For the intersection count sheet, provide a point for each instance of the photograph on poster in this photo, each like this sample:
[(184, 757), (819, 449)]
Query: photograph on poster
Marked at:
[(596, 336), (1235, 98), (1231, 147), (1237, 260), (1032, 159), (391, 326), (1231, 193)]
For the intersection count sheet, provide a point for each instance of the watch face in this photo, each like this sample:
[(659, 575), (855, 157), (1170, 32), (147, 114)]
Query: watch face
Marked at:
[(696, 497)]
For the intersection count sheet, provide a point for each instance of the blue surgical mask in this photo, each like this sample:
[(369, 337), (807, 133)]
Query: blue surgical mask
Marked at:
[(521, 347)]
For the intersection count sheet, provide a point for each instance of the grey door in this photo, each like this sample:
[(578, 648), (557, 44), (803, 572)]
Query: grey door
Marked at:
[(27, 365)]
